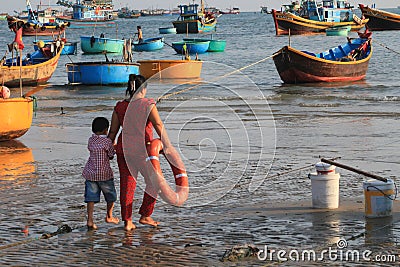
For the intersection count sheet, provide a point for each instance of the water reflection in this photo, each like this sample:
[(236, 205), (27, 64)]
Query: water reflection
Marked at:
[(379, 231), (16, 161), (327, 223)]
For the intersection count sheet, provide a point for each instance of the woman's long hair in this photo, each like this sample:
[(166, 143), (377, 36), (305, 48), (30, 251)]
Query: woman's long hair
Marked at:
[(135, 83)]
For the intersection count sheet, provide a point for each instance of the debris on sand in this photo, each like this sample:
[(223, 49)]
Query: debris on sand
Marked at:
[(63, 229), (240, 252)]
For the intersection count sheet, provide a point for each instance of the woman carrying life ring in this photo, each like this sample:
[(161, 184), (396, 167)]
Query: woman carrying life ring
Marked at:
[(137, 151)]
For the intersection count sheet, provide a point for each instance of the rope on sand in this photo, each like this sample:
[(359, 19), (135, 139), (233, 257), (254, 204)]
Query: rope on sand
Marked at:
[(213, 80), (63, 229)]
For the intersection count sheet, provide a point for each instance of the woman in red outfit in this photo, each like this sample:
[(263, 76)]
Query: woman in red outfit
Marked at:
[(131, 157)]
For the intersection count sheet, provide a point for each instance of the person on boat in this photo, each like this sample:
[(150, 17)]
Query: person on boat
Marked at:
[(98, 173), (139, 34), (141, 132)]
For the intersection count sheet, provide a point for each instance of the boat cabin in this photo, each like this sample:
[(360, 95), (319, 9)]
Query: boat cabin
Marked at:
[(327, 10)]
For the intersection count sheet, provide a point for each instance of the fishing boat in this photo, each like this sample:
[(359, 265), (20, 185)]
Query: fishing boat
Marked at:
[(214, 46), (167, 30), (150, 44), (37, 67), (233, 10), (39, 23), (126, 13), (192, 20), (96, 45), (101, 72), (70, 48), (170, 69), (16, 116), (89, 13), (190, 47), (265, 10), (311, 17), (345, 63), (380, 20)]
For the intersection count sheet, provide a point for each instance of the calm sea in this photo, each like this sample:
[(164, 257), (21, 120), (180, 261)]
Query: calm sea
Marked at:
[(235, 133)]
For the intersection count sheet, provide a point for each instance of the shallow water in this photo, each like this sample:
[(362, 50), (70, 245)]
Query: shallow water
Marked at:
[(235, 135)]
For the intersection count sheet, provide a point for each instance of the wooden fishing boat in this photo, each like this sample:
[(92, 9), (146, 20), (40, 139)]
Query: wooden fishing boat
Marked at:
[(310, 18), (380, 20), (37, 67), (190, 47), (89, 13), (192, 20), (233, 10), (214, 46), (16, 116), (126, 13), (167, 30), (96, 45), (171, 69), (150, 44), (39, 23), (101, 72), (34, 28), (344, 63)]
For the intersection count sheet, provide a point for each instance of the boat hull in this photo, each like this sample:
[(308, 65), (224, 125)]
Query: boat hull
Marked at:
[(88, 23), (167, 30), (192, 47), (380, 20), (295, 66), (193, 26), (101, 73), (16, 117), (337, 31), (101, 45), (285, 22), (215, 45), (170, 69), (149, 45), (32, 74), (70, 48)]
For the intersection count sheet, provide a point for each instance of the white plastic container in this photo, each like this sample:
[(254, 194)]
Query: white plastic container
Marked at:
[(379, 198), (325, 187)]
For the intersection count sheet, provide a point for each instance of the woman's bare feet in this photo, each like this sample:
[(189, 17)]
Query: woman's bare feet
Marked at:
[(91, 226), (129, 226), (148, 221), (114, 220)]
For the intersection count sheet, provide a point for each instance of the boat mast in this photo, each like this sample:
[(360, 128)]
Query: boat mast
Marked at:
[(30, 11), (202, 6)]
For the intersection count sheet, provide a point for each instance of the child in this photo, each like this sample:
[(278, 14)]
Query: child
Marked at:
[(97, 172)]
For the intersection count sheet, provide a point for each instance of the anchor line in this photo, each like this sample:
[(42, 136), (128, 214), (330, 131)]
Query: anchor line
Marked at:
[(213, 80), (388, 48)]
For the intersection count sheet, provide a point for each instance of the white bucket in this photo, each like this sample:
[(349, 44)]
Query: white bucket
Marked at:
[(325, 190), (379, 198)]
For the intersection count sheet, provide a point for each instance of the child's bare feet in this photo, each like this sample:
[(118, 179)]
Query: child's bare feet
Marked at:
[(148, 221), (91, 226), (114, 220), (129, 226)]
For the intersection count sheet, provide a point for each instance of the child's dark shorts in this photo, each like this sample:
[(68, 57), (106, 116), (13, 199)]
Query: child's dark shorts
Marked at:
[(93, 189)]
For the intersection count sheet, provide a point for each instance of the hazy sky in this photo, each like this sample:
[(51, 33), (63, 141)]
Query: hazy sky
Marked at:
[(244, 5)]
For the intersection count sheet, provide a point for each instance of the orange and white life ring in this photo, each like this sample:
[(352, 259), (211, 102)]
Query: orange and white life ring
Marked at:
[(181, 194)]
